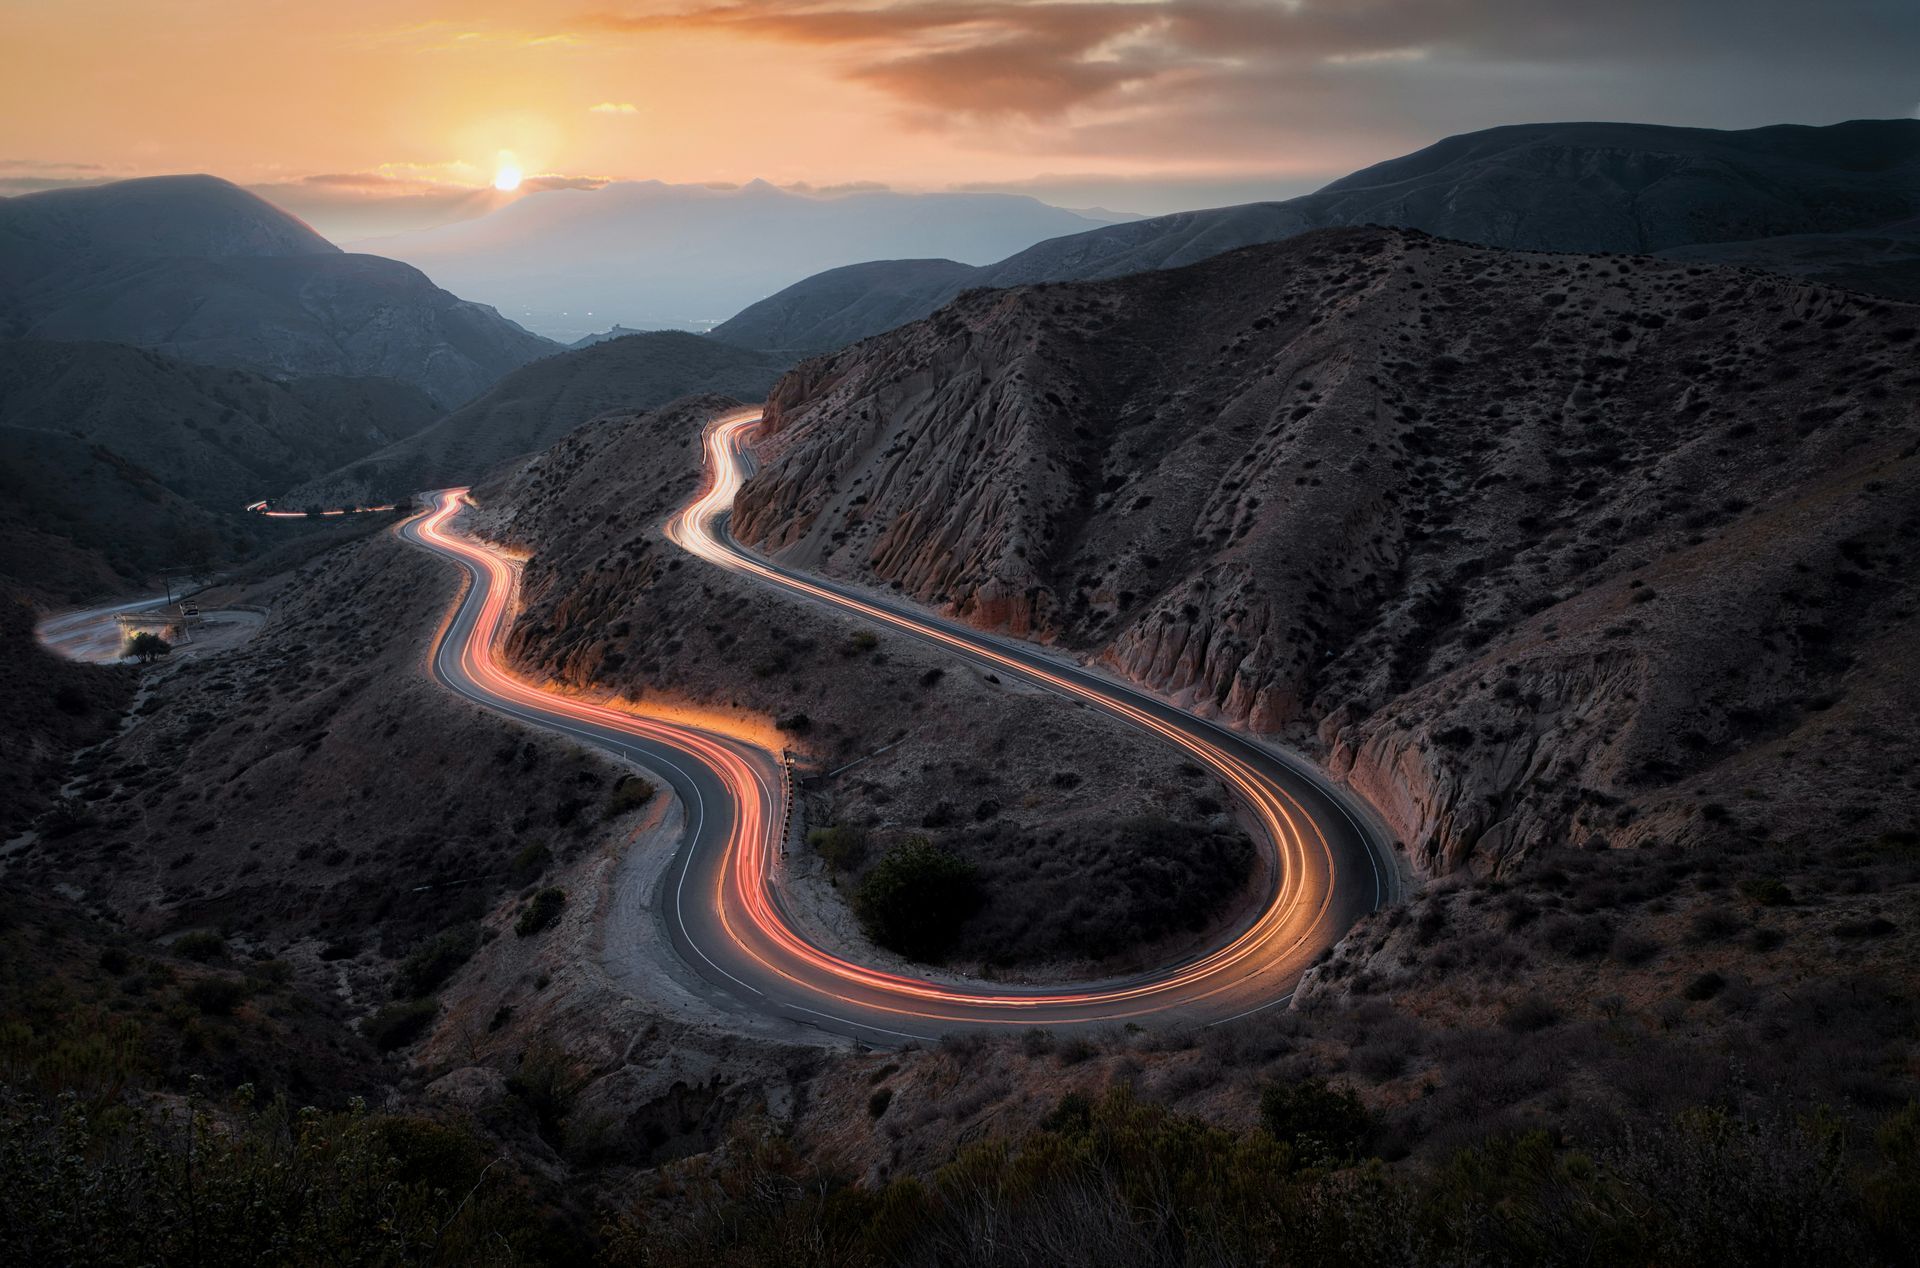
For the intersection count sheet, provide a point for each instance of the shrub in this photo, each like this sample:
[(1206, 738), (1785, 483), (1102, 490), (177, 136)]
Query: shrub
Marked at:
[(1635, 949), (1529, 1014), (1324, 1126), (66, 817), (1706, 986), (216, 996), (146, 645), (434, 960), (545, 1082), (540, 912), (916, 898), (1074, 1049), (1767, 891), (843, 846), (631, 793), (1579, 937), (530, 864), (861, 641), (1714, 924), (201, 944), (399, 1024)]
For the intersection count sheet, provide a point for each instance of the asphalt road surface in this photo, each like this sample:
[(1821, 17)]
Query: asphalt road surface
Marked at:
[(720, 901)]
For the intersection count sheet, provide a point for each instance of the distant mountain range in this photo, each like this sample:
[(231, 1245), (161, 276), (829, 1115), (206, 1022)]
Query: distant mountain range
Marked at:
[(650, 255), (535, 406), (202, 270), (1847, 194)]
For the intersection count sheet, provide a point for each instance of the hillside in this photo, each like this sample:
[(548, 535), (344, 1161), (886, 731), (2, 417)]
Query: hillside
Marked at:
[(1533, 547), (538, 404), (199, 269), (1097, 848), (120, 459), (220, 438), (1554, 187), (647, 255), (1882, 261), (817, 315)]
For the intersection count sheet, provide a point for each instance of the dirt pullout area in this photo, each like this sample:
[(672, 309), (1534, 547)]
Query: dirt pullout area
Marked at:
[(1096, 847)]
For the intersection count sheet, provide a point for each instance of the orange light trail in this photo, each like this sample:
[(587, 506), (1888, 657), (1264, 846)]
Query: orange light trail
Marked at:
[(1255, 966)]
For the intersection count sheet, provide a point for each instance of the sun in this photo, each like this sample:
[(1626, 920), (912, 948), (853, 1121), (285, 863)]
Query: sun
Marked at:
[(506, 174)]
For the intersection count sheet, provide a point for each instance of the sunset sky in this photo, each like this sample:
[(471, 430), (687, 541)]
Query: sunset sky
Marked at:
[(411, 105)]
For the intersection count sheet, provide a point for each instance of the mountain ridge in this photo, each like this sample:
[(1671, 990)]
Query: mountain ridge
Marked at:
[(537, 404), (198, 268), (1564, 187)]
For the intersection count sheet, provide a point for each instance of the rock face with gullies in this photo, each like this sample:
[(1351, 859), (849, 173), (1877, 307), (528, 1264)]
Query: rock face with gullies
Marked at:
[(202, 270), (1526, 544)]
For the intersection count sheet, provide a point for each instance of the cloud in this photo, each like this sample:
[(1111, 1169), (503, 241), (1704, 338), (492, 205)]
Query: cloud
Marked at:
[(33, 176), (1228, 77), (613, 107), (551, 180), (48, 167), (844, 187)]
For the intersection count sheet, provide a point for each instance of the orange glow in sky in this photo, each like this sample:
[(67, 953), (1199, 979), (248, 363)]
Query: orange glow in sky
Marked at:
[(367, 97), (403, 92)]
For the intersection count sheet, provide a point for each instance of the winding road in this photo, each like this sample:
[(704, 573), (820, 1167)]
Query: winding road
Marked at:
[(721, 905)]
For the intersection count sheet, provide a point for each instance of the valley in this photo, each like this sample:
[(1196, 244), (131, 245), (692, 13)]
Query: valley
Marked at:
[(1364, 728)]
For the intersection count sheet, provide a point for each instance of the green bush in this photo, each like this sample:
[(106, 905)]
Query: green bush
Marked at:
[(399, 1024), (530, 864), (201, 945), (1325, 1126), (435, 960), (843, 846), (540, 912), (146, 645), (916, 898), (1767, 891), (216, 996), (631, 793)]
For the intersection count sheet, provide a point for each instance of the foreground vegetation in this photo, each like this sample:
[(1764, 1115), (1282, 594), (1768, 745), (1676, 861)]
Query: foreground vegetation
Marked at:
[(1110, 1181), (238, 1184)]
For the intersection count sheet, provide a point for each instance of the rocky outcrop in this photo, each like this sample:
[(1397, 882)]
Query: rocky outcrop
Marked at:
[(1518, 540)]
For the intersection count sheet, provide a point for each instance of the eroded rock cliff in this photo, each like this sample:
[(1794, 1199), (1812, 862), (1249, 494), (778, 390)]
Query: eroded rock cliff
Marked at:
[(1524, 542)]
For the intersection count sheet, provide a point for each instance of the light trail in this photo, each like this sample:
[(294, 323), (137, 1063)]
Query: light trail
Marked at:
[(740, 931), (260, 508)]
